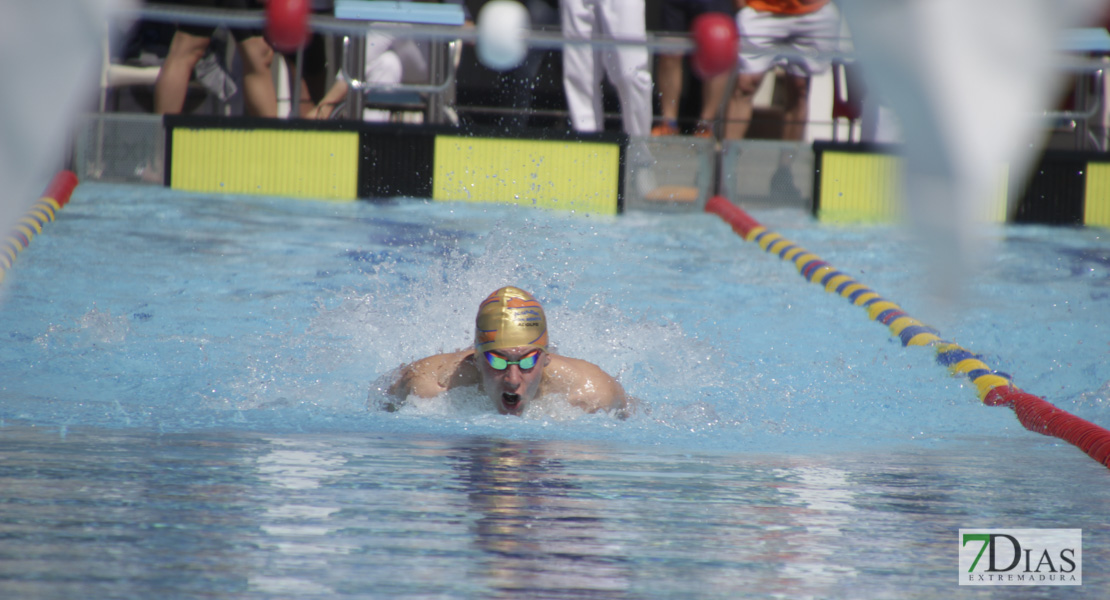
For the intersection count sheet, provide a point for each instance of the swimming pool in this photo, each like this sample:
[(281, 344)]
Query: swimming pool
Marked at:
[(190, 382)]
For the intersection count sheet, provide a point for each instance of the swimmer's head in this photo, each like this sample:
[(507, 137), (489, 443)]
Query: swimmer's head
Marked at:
[(510, 318)]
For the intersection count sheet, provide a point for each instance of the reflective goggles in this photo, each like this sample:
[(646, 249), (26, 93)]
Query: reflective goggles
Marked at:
[(499, 363)]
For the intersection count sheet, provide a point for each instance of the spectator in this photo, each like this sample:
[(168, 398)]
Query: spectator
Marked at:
[(188, 47), (677, 16), (800, 35), (626, 66), (806, 32), (390, 59), (314, 65)]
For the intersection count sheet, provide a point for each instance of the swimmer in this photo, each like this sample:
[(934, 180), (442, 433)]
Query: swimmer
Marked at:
[(510, 363)]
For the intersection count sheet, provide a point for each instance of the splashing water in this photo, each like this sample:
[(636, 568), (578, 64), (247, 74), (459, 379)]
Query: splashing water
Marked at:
[(270, 314)]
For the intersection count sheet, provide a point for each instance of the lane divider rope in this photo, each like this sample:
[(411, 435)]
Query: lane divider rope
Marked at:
[(41, 212), (994, 388)]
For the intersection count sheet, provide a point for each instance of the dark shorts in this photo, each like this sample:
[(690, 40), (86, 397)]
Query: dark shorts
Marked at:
[(208, 30), (677, 15)]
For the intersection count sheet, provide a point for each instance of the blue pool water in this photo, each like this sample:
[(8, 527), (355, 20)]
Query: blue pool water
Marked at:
[(190, 386)]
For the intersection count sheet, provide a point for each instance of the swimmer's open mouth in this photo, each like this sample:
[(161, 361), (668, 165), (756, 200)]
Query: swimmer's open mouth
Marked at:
[(510, 400)]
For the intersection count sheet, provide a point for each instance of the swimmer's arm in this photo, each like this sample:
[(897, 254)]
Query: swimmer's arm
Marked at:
[(612, 398), (416, 379), (430, 377)]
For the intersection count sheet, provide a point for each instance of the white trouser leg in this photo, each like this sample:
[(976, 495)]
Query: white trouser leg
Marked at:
[(581, 75), (628, 66)]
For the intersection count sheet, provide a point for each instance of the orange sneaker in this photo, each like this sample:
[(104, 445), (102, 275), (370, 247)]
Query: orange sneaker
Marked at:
[(665, 127)]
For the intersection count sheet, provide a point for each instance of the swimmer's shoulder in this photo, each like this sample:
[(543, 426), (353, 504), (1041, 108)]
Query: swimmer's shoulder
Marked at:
[(431, 376), (585, 384), (567, 366)]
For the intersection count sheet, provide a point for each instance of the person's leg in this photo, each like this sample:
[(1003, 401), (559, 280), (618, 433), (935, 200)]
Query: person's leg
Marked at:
[(259, 95), (739, 114), (674, 18), (795, 115), (814, 36), (668, 73), (172, 83), (313, 74), (713, 93), (581, 78), (712, 89), (759, 32), (307, 104), (796, 112), (629, 67)]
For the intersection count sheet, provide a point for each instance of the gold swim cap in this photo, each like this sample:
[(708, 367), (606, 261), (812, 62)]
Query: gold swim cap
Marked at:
[(508, 318)]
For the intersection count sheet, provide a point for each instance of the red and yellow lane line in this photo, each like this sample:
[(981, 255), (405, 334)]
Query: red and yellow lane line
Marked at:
[(994, 388), (41, 212)]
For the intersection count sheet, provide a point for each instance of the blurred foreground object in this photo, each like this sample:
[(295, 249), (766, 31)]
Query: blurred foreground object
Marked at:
[(50, 53), (967, 82)]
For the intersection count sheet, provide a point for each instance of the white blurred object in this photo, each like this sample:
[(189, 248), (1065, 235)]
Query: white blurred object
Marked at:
[(502, 25), (966, 81), (50, 56)]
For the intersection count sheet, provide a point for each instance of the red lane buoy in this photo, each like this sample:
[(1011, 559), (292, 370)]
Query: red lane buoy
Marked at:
[(287, 24), (61, 187), (716, 42)]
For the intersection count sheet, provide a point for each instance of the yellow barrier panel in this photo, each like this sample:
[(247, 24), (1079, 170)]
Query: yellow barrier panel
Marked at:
[(1096, 208), (300, 164), (867, 187), (565, 175), (858, 186)]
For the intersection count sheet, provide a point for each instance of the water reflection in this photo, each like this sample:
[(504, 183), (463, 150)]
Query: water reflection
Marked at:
[(120, 515), (538, 534), (338, 516), (296, 519), (825, 498)]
